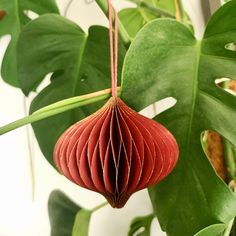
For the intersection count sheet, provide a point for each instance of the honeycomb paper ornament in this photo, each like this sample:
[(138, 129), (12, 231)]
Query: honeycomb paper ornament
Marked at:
[(116, 151)]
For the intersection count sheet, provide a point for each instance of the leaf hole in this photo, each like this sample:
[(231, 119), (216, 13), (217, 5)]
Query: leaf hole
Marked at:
[(213, 147), (45, 82), (83, 78), (231, 46), (4, 42), (139, 231), (155, 227), (227, 85), (31, 14), (158, 107)]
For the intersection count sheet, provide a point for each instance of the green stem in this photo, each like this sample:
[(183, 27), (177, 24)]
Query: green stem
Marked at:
[(122, 31), (57, 108), (229, 228), (229, 160), (99, 207), (179, 10), (204, 141), (155, 10), (234, 154), (30, 152), (229, 151), (233, 231)]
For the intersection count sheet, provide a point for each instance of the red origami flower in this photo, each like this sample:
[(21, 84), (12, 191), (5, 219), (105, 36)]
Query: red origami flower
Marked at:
[(116, 152)]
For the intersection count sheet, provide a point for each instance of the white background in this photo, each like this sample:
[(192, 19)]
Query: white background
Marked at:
[(24, 192)]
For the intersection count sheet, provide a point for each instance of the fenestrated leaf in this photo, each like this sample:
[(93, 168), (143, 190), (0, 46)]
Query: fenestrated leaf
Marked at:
[(80, 64), (62, 213), (216, 230), (11, 24), (81, 224), (141, 226), (165, 60)]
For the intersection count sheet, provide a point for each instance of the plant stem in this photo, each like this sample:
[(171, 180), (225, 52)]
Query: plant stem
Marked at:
[(179, 12), (67, 8), (57, 108), (229, 151), (155, 10), (122, 31), (30, 152), (229, 160), (99, 207), (229, 228)]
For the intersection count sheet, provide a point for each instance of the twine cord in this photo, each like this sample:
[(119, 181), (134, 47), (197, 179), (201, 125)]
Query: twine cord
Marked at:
[(113, 46)]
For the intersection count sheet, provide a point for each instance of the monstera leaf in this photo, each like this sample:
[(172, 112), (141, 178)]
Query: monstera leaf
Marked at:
[(62, 213), (135, 18), (80, 65), (15, 17), (165, 60)]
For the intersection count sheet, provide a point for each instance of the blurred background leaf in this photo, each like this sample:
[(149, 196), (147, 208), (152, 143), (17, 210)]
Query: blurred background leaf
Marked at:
[(81, 225), (14, 19), (62, 213), (135, 18)]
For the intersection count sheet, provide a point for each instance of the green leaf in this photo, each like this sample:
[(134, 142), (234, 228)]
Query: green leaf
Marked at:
[(216, 230), (122, 31), (166, 5), (62, 212), (134, 19), (12, 23), (81, 225), (80, 65), (159, 65), (140, 226)]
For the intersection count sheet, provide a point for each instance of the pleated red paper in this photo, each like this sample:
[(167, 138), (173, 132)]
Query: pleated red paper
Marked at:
[(116, 152)]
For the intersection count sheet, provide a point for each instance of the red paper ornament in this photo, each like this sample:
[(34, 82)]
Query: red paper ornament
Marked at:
[(116, 152)]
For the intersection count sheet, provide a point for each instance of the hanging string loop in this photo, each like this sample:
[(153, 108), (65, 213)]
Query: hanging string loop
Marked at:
[(113, 46)]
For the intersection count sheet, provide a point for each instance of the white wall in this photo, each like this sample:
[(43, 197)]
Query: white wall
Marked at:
[(22, 215)]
